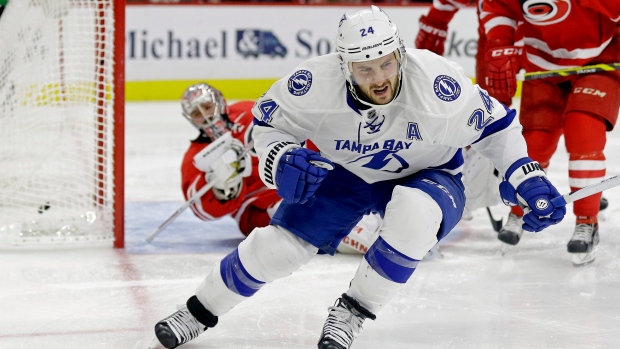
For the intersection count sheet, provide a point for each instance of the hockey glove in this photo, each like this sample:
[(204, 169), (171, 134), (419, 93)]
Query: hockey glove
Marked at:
[(534, 193), (432, 35), (227, 172), (296, 172), (502, 68)]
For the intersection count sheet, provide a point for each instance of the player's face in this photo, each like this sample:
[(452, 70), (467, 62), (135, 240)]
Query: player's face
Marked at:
[(377, 79), (203, 114)]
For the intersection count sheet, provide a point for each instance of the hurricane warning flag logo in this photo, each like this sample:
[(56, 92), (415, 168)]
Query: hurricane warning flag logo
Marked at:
[(300, 82)]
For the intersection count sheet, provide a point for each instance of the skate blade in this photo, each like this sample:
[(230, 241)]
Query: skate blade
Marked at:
[(581, 259), (156, 345), (506, 248), (433, 253)]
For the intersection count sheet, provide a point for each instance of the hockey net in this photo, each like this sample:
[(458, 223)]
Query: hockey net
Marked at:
[(60, 146)]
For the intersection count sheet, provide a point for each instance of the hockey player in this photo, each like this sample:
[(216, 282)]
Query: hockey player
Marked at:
[(560, 34), (238, 190), (389, 126)]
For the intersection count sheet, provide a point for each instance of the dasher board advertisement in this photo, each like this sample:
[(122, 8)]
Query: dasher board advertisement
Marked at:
[(243, 49)]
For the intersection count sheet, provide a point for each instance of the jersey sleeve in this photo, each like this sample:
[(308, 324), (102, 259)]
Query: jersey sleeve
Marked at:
[(479, 120), (609, 9), (500, 19), (442, 11), (277, 114)]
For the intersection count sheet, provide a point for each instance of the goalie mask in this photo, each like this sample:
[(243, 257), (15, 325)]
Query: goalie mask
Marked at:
[(205, 108), (367, 36)]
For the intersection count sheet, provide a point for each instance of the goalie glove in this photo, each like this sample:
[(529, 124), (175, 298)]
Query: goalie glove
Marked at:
[(294, 171), (528, 187), (222, 166)]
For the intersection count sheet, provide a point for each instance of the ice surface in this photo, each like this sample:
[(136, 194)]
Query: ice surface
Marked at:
[(478, 294)]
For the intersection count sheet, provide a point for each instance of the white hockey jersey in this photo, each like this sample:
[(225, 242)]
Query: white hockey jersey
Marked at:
[(437, 111)]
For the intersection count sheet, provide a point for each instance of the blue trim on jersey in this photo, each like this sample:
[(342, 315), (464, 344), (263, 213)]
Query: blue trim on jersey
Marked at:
[(454, 163), (343, 198), (498, 125), (351, 101), (261, 123), (236, 278), (390, 263), (515, 165)]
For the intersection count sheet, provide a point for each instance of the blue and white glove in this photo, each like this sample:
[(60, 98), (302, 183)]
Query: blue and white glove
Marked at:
[(294, 171), (528, 186)]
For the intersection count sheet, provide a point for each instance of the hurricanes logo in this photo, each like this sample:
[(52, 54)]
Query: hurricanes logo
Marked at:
[(300, 82), (542, 204), (545, 12)]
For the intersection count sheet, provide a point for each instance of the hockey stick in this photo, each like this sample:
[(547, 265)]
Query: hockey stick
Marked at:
[(586, 69), (497, 224), (591, 189), (193, 199)]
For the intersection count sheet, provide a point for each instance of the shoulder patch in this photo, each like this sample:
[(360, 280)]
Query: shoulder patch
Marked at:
[(300, 82), (446, 88)]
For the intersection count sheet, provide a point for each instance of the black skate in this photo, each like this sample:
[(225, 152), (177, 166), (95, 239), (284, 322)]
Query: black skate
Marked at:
[(343, 323), (584, 238), (511, 232), (581, 245), (187, 323)]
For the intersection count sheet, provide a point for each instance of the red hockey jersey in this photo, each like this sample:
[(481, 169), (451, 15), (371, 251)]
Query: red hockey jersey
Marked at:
[(249, 207), (557, 34)]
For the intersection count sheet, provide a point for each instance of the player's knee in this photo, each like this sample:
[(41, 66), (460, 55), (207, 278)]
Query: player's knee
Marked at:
[(273, 252), (412, 220)]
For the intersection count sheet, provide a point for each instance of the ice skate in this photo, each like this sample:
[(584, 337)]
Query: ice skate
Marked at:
[(511, 232), (183, 326), (604, 204), (582, 243), (602, 213), (343, 323)]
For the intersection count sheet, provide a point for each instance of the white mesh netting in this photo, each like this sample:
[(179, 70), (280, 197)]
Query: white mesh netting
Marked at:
[(56, 121)]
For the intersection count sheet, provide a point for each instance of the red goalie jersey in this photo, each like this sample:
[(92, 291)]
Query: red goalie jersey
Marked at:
[(249, 207)]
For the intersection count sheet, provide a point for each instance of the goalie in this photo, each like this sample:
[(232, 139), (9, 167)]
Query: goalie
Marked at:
[(225, 135)]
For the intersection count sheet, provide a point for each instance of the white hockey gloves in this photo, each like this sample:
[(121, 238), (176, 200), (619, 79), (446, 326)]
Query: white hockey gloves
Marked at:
[(223, 167), (294, 171), (528, 186)]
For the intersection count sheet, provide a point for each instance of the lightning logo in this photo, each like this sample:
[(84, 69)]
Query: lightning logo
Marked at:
[(300, 82), (384, 160), (446, 88)]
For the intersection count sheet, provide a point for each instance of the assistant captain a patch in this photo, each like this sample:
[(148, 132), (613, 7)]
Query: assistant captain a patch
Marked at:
[(446, 88), (300, 82)]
